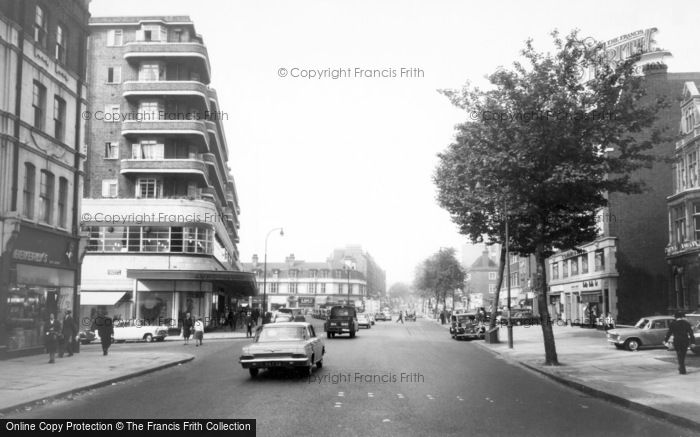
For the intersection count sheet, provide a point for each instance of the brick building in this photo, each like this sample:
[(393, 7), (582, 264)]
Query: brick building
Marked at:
[(42, 144), (160, 203), (482, 278)]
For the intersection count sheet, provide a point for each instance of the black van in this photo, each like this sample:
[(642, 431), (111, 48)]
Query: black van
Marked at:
[(341, 319)]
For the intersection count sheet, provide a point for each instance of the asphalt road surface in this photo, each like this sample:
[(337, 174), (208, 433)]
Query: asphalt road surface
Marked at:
[(391, 380)]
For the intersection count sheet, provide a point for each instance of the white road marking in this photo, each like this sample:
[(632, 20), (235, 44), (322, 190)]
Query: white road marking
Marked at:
[(370, 395), (341, 393), (338, 404), (400, 396), (386, 420)]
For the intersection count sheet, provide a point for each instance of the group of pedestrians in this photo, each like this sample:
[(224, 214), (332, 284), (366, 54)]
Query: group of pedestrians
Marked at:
[(60, 337), (193, 328)]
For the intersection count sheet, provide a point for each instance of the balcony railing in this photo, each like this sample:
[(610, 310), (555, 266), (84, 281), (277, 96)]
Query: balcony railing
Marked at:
[(167, 127), (169, 166), (168, 88), (157, 49)]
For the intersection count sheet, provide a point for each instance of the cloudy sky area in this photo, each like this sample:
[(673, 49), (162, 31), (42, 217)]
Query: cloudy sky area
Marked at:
[(350, 161)]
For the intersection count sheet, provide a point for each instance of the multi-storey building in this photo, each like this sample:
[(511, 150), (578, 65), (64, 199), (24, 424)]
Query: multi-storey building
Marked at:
[(522, 269), (624, 271), (42, 144), (300, 284), (684, 208), (482, 278), (160, 203), (364, 263)]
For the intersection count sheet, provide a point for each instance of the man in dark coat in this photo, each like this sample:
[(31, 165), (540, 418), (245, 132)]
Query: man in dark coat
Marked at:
[(70, 331), (53, 330), (187, 327), (683, 336), (103, 325)]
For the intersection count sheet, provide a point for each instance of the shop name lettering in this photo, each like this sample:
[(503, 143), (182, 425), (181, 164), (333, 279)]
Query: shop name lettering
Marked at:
[(28, 255), (587, 284)]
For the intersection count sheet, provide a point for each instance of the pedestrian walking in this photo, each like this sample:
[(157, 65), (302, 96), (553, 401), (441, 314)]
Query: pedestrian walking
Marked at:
[(187, 325), (400, 319), (249, 325), (70, 333), (103, 325), (52, 332), (231, 320), (198, 332), (683, 337), (442, 317)]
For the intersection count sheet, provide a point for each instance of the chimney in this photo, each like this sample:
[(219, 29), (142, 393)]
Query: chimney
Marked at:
[(255, 259)]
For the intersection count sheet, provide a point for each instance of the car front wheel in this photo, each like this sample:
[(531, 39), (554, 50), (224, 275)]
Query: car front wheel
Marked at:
[(148, 338), (632, 344)]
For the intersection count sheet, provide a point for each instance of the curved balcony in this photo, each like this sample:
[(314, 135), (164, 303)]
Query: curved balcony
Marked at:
[(155, 49), (194, 128), (165, 166), (191, 88)]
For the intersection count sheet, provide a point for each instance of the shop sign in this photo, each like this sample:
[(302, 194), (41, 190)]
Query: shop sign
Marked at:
[(590, 284), (679, 247), (34, 246), (306, 300)]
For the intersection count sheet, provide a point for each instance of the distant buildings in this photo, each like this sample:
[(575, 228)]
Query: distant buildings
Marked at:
[(42, 149), (482, 278), (301, 284), (160, 204)]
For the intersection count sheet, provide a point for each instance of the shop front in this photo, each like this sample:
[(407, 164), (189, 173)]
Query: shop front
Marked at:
[(41, 269)]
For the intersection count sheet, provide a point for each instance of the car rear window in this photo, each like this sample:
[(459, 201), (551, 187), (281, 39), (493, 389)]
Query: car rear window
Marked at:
[(342, 312)]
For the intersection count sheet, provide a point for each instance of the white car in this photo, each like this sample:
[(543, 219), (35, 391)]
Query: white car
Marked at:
[(364, 321), (125, 331)]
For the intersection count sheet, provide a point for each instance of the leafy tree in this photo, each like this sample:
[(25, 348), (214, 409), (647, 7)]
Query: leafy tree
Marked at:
[(439, 274), (536, 152)]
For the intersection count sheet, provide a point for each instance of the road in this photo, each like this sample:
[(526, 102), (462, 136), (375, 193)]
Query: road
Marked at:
[(391, 380)]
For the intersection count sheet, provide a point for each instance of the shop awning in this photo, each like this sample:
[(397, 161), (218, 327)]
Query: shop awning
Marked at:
[(233, 283), (100, 297)]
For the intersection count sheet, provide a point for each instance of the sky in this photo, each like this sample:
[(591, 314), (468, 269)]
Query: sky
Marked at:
[(350, 160)]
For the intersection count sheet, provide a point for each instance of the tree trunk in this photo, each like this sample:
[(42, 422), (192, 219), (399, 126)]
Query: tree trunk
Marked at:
[(550, 349), (496, 295)]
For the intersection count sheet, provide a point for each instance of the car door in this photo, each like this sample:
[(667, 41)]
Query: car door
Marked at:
[(657, 333), (315, 343)]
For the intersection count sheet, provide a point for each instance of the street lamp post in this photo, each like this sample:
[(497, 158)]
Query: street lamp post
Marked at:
[(510, 324), (265, 269), (348, 267)]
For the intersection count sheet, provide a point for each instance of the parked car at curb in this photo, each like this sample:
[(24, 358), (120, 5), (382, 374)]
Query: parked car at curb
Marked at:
[(467, 326), (647, 332), (131, 331), (86, 336), (291, 345)]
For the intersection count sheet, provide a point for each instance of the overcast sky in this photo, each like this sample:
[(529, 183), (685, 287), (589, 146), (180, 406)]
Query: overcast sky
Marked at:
[(350, 161)]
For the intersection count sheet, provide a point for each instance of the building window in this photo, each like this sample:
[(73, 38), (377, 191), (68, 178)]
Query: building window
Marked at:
[(680, 168), (492, 276), (40, 26), (584, 264), (112, 150), (113, 111), (151, 72), (294, 274), (565, 268), (46, 193), (149, 188), (155, 239), (323, 288), (39, 104), (274, 287), (555, 270), (312, 288), (60, 44), (29, 190), (574, 266), (689, 120), (148, 149), (62, 202), (340, 288), (59, 118), (115, 38), (109, 188), (492, 288), (692, 163), (679, 224), (151, 32), (696, 220), (149, 110), (338, 274), (313, 274), (324, 273), (293, 288), (599, 260), (114, 74)]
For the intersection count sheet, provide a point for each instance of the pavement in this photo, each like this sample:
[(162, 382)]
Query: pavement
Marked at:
[(646, 380), (31, 380)]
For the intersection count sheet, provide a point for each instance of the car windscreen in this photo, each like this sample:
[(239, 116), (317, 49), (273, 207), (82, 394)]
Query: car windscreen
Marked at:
[(285, 310), (281, 333), (641, 323), (342, 312)]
